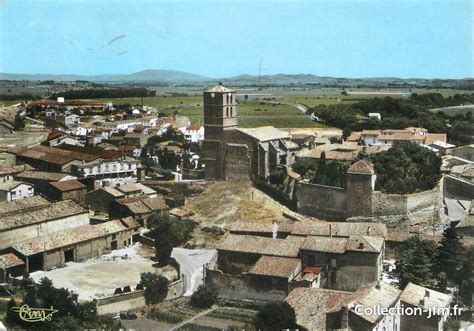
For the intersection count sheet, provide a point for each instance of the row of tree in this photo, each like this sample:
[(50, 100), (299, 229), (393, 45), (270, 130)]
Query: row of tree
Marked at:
[(448, 264), (398, 113), (122, 92)]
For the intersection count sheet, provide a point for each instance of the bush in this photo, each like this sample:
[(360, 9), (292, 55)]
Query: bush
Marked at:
[(156, 287), (204, 297), (276, 316)]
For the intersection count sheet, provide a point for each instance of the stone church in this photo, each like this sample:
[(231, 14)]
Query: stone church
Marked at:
[(233, 153)]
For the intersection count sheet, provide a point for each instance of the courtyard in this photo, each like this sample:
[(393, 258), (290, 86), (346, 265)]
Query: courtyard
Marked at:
[(99, 277)]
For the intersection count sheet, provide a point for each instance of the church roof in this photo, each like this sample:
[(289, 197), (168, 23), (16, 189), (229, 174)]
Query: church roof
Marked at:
[(219, 88), (362, 167), (266, 133)]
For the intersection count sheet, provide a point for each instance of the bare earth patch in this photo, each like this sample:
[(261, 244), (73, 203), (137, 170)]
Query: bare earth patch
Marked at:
[(223, 203)]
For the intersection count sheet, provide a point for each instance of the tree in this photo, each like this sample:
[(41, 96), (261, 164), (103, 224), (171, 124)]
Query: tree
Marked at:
[(466, 286), (276, 316), (204, 297), (12, 316), (406, 168), (156, 287), (414, 261), (450, 256), (19, 122), (167, 234)]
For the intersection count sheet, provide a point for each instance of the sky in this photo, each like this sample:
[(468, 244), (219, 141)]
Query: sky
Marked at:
[(341, 38)]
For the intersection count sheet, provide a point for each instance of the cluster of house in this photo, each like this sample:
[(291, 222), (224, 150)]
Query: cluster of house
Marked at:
[(65, 219), (65, 200), (434, 141), (329, 272)]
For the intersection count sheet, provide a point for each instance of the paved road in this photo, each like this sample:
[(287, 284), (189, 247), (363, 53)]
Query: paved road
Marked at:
[(189, 320), (302, 108), (191, 262)]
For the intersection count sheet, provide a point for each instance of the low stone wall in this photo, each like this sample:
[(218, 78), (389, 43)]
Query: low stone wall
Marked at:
[(240, 287), (133, 300), (326, 202)]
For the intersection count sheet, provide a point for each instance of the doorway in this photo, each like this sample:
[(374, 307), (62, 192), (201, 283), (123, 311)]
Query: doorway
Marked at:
[(69, 255)]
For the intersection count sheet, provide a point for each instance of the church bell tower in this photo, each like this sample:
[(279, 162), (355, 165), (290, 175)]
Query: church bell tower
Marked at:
[(220, 114)]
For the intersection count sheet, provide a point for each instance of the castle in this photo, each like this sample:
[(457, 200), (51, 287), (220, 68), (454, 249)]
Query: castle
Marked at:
[(233, 153)]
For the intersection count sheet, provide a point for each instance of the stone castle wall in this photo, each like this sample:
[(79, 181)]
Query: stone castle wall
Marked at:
[(321, 201), (397, 210)]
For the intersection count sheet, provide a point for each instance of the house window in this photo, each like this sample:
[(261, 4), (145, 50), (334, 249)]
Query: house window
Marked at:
[(333, 263), (114, 167), (13, 193)]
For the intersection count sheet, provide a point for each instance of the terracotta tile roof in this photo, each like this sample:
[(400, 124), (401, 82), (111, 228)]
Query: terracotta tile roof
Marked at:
[(325, 244), (362, 167), (385, 296), (135, 187), (22, 205), (310, 228), (67, 237), (193, 128), (68, 185), (56, 155), (338, 229), (181, 212), (143, 204), (347, 229), (266, 133), (34, 216), (9, 185), (43, 175), (275, 266), (371, 132), (355, 136), (260, 245), (420, 296), (341, 245), (312, 304), (13, 170), (9, 260), (433, 137), (262, 226)]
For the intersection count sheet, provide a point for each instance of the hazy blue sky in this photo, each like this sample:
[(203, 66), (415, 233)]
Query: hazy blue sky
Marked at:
[(225, 38)]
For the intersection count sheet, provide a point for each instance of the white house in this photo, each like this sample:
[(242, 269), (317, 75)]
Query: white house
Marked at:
[(375, 116), (11, 190), (193, 133), (72, 120), (109, 172)]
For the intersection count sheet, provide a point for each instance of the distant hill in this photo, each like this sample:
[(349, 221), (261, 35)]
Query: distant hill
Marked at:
[(165, 76), (185, 78)]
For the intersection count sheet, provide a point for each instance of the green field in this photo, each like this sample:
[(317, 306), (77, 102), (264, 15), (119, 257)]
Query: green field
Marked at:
[(453, 111), (265, 106)]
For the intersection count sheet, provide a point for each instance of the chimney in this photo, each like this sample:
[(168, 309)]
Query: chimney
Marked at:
[(427, 293), (422, 302), (369, 230), (361, 246), (274, 230), (330, 230)]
